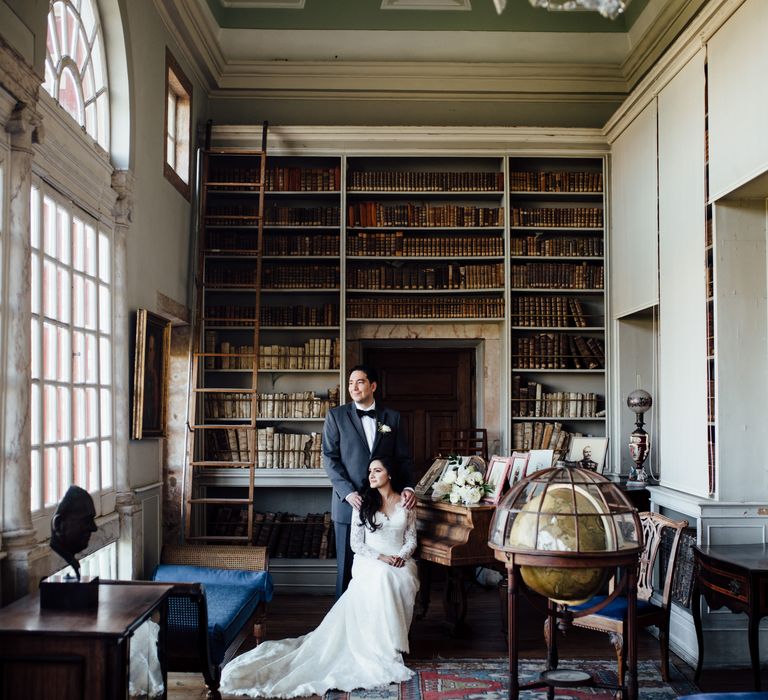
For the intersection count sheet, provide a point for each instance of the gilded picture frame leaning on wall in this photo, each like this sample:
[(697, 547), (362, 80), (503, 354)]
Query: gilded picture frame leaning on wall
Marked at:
[(150, 375)]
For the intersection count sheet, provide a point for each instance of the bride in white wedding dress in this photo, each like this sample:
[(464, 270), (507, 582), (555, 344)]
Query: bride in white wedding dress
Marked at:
[(360, 642)]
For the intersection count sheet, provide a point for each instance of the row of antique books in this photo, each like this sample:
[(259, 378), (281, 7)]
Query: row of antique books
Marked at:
[(285, 535), (315, 353), (302, 244), (278, 276), (572, 217), (414, 181), (397, 243), (541, 435), (557, 275), (423, 215), (425, 307), (531, 398), (556, 181), (297, 315), (414, 276), (570, 246), (301, 216), (295, 179), (558, 351), (274, 450), (294, 404), (551, 311)]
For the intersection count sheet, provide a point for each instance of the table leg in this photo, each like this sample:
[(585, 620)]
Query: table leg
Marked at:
[(425, 585), (512, 594), (754, 647), (631, 642), (696, 612), (455, 600)]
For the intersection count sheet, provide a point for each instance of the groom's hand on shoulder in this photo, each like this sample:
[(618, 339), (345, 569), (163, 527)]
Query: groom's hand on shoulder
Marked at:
[(354, 499), (408, 498)]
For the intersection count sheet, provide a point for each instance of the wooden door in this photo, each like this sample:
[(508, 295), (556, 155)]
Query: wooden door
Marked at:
[(433, 388)]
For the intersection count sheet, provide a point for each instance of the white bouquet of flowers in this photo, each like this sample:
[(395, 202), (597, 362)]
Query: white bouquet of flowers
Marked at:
[(461, 482)]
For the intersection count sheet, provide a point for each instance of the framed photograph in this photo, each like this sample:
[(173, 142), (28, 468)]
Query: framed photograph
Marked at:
[(430, 477), (538, 460), (589, 452), (517, 465), (150, 375), (496, 475)]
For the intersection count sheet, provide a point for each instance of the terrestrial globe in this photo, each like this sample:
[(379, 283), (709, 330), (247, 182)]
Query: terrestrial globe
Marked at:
[(566, 527)]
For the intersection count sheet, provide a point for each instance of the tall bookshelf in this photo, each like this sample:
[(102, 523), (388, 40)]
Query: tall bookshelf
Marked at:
[(557, 307), (424, 239)]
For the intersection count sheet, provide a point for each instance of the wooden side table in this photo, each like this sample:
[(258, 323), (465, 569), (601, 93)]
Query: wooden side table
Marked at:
[(83, 655), (735, 577)]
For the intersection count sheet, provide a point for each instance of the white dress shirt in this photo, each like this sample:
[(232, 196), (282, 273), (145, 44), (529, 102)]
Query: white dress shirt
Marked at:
[(369, 423)]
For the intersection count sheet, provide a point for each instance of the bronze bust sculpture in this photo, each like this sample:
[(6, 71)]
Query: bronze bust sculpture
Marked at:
[(72, 525)]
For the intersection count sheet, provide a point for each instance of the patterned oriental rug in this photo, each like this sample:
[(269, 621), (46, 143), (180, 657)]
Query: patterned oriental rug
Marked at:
[(486, 679)]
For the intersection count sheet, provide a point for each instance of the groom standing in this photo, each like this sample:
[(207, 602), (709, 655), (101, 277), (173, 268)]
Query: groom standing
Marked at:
[(352, 435)]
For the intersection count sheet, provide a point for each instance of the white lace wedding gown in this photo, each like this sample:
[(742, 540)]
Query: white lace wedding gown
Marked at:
[(359, 643)]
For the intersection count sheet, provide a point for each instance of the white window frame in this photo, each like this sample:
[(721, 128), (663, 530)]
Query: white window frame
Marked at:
[(67, 384)]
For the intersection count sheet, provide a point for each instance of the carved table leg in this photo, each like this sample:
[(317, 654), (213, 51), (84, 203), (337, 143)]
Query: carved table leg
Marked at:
[(425, 584), (455, 600), (754, 647), (512, 585), (696, 612)]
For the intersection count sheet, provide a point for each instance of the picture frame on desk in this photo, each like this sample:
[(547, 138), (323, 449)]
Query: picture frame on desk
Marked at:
[(588, 452), (152, 351), (538, 460), (518, 463), (496, 475), (432, 474)]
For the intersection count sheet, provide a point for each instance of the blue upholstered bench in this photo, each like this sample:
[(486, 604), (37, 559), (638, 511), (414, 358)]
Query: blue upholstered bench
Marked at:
[(219, 600)]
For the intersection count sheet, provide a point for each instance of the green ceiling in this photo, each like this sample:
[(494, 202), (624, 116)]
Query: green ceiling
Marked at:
[(367, 14)]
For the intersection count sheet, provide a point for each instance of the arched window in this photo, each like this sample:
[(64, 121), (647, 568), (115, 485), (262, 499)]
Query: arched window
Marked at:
[(75, 66)]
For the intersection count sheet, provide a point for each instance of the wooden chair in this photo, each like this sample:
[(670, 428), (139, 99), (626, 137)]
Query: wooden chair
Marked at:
[(468, 441), (650, 611)]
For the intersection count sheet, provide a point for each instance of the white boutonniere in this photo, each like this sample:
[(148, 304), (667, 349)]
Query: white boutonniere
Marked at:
[(384, 428)]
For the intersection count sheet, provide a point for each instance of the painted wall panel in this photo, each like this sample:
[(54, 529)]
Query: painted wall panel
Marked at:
[(634, 225), (682, 322)]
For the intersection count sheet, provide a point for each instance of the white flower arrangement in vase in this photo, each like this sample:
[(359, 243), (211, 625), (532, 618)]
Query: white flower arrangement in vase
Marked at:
[(461, 482)]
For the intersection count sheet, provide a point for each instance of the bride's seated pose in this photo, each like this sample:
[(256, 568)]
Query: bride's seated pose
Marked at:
[(361, 641)]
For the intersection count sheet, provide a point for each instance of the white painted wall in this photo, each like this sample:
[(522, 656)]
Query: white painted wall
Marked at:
[(682, 289), (634, 226), (738, 98)]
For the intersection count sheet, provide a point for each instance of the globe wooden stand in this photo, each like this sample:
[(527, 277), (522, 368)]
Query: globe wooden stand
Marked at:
[(552, 678)]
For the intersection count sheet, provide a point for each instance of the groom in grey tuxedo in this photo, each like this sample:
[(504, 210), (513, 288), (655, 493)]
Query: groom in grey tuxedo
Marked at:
[(352, 435)]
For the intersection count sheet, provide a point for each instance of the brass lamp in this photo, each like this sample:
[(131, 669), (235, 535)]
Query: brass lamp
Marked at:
[(561, 532)]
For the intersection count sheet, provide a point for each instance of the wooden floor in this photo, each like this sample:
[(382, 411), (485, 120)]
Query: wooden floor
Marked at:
[(292, 616)]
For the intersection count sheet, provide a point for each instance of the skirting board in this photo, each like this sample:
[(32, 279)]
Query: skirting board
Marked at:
[(303, 576)]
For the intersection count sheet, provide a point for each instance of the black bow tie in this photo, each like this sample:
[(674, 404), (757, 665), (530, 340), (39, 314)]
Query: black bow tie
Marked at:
[(370, 413)]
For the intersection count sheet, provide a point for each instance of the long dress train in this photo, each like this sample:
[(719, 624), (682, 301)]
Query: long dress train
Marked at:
[(360, 641)]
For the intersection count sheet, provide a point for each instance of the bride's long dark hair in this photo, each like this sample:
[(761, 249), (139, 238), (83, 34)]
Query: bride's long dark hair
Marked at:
[(372, 501)]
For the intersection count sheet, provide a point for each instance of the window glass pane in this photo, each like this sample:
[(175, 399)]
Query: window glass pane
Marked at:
[(78, 300), (49, 226), (105, 309), (72, 25), (35, 218), (98, 60), (36, 284), (63, 340), (50, 476), (171, 125), (91, 251), (64, 290), (81, 53), (78, 464), (63, 228), (92, 450), (102, 108), (170, 149), (91, 360), (69, 96), (52, 45), (78, 357), (91, 413), (78, 245), (106, 464), (49, 351), (49, 289), (106, 412), (105, 361), (91, 307), (36, 406), (105, 257), (78, 413), (35, 485), (36, 349), (65, 469), (64, 426), (87, 17), (50, 414)]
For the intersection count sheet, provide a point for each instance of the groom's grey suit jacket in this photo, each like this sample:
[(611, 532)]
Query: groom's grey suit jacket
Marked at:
[(346, 455)]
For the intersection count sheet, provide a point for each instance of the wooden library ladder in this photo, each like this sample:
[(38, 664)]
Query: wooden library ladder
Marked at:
[(221, 430)]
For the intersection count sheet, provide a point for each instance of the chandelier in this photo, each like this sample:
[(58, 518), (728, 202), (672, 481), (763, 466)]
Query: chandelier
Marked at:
[(607, 8)]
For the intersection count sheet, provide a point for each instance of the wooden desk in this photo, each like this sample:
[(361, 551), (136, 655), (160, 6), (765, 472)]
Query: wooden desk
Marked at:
[(736, 577), (67, 655)]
